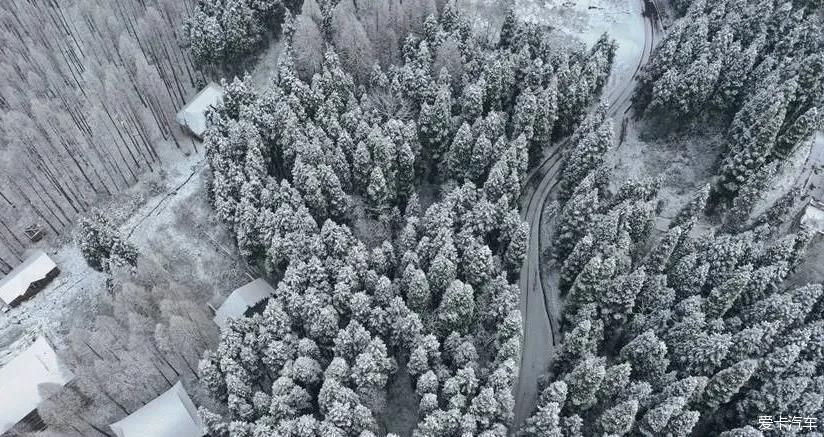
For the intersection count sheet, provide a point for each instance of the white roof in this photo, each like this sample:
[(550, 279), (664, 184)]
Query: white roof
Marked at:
[(36, 267), (193, 115), (813, 217), (242, 299), (171, 414), (21, 378)]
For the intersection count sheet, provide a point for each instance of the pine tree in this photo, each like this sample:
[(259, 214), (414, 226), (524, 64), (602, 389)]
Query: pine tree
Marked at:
[(575, 262), (587, 147), (377, 190), (457, 309), (434, 123), (647, 355), (575, 217), (752, 138), (693, 209), (619, 419), (416, 287), (459, 152), (726, 383), (583, 382), (722, 298), (619, 300)]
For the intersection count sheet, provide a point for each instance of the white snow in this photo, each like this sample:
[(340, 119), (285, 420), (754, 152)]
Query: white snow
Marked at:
[(193, 115), (171, 414), (22, 379), (170, 222)]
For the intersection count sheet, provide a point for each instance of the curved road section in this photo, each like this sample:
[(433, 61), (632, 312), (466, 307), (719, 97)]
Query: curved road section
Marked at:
[(539, 295)]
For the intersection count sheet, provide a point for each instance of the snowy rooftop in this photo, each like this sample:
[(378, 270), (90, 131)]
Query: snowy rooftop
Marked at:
[(172, 414), (193, 115), (813, 217), (17, 283), (21, 380), (242, 299)]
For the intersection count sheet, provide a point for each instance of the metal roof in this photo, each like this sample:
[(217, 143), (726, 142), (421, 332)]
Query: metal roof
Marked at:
[(16, 284), (193, 115), (22, 379), (172, 414), (242, 299)]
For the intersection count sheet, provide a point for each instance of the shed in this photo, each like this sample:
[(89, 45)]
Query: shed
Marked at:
[(28, 278), (22, 378), (193, 116), (243, 299), (813, 217), (172, 414)]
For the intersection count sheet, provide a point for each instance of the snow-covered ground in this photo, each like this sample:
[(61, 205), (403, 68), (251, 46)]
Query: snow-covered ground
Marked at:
[(167, 217)]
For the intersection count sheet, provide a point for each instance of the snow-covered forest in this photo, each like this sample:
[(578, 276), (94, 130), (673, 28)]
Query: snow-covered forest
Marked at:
[(88, 98), (444, 203)]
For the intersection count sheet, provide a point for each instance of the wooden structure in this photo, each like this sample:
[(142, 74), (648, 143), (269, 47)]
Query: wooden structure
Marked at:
[(34, 233), (193, 116), (27, 279)]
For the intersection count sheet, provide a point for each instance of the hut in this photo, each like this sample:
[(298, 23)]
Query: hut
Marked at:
[(813, 216), (22, 380), (193, 116), (242, 300), (25, 280), (172, 414)]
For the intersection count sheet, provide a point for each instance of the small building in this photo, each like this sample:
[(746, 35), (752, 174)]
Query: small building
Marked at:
[(34, 232), (193, 116), (172, 414), (242, 300), (22, 380), (813, 217), (25, 280)]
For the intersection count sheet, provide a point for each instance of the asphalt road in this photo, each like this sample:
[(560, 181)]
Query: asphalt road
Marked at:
[(539, 294)]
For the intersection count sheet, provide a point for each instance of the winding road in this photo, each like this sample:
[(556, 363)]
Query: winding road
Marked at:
[(539, 295)]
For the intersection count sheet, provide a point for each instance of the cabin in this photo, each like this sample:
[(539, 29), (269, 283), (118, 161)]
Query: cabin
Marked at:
[(242, 300), (172, 414), (193, 116), (27, 279), (22, 381), (813, 216)]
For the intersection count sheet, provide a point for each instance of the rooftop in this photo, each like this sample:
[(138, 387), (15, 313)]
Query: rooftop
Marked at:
[(37, 267), (22, 379), (242, 299), (172, 414), (193, 115)]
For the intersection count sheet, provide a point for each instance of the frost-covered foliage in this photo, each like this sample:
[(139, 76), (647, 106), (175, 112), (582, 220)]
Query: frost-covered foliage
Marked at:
[(101, 243), (433, 302), (290, 157), (754, 64), (223, 31), (689, 334), (346, 319), (138, 345)]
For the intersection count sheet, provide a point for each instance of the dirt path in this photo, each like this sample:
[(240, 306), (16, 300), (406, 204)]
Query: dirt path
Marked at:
[(540, 297)]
